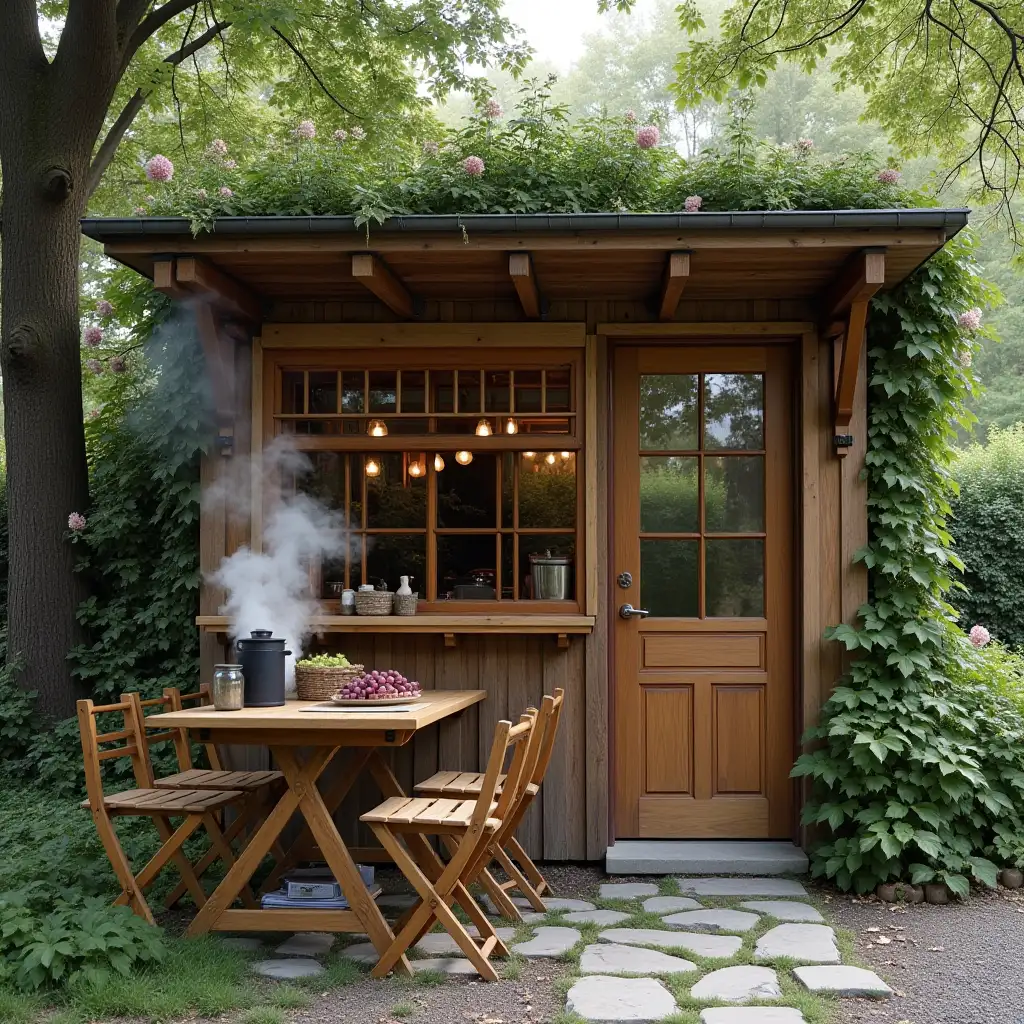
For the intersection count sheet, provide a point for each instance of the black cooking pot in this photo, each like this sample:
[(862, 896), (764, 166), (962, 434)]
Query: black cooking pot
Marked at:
[(262, 659)]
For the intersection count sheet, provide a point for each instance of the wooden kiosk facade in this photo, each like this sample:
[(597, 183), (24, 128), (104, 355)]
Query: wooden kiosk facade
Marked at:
[(674, 402)]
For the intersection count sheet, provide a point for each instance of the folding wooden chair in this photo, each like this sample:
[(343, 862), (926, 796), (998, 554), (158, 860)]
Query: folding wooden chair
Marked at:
[(258, 787), (197, 807), (523, 873), (466, 826)]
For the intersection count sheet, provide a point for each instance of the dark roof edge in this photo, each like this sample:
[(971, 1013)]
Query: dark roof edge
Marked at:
[(108, 229)]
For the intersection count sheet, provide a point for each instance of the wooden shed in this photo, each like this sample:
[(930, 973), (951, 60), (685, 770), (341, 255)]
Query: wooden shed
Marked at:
[(672, 406)]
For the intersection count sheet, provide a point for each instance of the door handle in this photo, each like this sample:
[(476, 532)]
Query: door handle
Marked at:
[(627, 611)]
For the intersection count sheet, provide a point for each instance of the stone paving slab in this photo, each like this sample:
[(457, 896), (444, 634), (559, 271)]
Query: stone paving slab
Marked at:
[(397, 901), (712, 946), (288, 969), (550, 941), (738, 984), (670, 904), (786, 910), (751, 1015), (306, 944), (442, 944), (361, 953), (242, 943), (627, 890), (741, 887), (716, 921), (606, 958), (808, 943), (852, 982), (605, 917), (552, 903), (443, 965), (603, 1000)]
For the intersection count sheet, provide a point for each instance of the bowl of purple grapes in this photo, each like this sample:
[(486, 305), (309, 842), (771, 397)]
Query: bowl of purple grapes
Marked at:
[(380, 687)]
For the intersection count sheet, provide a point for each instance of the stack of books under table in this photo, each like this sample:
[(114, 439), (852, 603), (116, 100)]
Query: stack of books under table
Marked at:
[(315, 888)]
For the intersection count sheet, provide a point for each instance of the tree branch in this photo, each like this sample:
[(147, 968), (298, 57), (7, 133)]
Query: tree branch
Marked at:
[(108, 147), (316, 78), (150, 25), (19, 28)]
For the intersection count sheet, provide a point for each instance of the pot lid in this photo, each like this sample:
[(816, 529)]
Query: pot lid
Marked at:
[(549, 559)]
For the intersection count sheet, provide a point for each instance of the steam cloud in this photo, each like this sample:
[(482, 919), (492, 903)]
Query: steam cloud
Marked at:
[(270, 589)]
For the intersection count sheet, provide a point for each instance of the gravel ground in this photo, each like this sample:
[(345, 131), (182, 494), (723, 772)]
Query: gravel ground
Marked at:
[(958, 964)]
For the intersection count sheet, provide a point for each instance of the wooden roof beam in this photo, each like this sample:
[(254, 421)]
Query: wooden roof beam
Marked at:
[(200, 277), (373, 273), (862, 275), (520, 269), (165, 281), (677, 273)]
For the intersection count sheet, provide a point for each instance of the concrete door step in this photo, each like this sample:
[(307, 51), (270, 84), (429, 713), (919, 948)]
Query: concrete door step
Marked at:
[(704, 857)]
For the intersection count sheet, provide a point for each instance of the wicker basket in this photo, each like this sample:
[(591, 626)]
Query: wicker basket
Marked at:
[(321, 682), (405, 604), (374, 602)]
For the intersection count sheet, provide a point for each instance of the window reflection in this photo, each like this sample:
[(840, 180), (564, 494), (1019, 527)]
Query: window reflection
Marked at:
[(734, 410)]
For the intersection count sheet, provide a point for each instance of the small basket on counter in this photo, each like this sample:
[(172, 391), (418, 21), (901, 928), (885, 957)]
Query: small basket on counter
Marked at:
[(374, 602), (406, 604), (322, 682)]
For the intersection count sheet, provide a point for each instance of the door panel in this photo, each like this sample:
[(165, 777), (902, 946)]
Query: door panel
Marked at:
[(703, 520)]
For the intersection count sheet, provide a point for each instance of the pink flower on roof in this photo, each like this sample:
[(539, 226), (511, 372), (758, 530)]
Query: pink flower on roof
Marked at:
[(969, 319), (117, 365), (889, 176), (305, 130), (804, 146), (473, 166), (979, 636), (340, 135), (224, 192), (631, 116), (140, 211), (94, 414), (217, 148), (966, 359), (159, 168), (230, 165), (358, 133), (692, 204), (648, 136), (76, 522), (431, 148), (492, 109), (200, 193), (104, 308), (94, 366), (92, 336)]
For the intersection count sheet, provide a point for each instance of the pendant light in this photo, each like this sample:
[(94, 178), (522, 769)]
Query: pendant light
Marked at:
[(511, 427), (483, 429), (463, 458), (566, 455), (438, 463), (529, 455), (550, 458), (416, 466), (372, 467), (377, 428)]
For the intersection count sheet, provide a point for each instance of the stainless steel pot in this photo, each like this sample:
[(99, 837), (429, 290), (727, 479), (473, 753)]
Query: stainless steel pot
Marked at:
[(552, 576)]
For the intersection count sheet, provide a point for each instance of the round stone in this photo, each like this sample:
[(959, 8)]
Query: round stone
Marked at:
[(738, 985), (606, 958), (306, 944), (443, 965), (807, 943), (713, 920), (849, 982), (670, 904), (627, 890), (288, 970), (785, 910), (361, 953), (548, 942), (598, 999), (242, 943), (442, 944), (751, 1015), (605, 917), (721, 947), (741, 887)]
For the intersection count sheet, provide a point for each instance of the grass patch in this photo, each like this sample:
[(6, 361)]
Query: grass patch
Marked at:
[(262, 1015), (288, 997), (17, 1008), (401, 1010)]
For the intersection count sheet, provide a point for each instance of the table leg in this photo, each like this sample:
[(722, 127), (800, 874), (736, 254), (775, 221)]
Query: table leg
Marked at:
[(249, 859), (302, 781)]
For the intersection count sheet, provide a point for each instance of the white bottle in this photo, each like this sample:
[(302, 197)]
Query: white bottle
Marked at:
[(404, 589)]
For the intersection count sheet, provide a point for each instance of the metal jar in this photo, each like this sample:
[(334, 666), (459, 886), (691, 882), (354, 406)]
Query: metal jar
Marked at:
[(552, 576), (262, 656), (228, 688)]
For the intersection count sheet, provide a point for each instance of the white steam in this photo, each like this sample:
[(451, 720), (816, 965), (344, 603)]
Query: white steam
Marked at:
[(271, 589)]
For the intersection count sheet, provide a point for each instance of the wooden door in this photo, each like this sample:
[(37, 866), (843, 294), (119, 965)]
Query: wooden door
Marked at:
[(703, 524)]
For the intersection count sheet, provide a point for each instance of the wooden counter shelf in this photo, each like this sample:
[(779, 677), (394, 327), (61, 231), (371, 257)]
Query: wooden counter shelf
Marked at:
[(560, 626)]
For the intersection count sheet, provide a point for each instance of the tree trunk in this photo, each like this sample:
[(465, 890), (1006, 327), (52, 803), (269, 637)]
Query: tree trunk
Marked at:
[(47, 477)]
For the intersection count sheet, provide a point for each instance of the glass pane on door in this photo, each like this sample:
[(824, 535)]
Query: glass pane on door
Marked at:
[(669, 581)]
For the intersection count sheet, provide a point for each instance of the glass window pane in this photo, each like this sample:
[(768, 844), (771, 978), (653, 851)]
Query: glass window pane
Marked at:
[(352, 384), (668, 578), (410, 426), (455, 425), (414, 391), (355, 562), (467, 496), (734, 410), (293, 383), (467, 567), (734, 494), (734, 575), (543, 426), (558, 390), (556, 544), (442, 391), (393, 499), (508, 465), (391, 555), (469, 390), (547, 491), (668, 495), (508, 570), (383, 391), (528, 390), (496, 394), (326, 479), (323, 391), (668, 411)]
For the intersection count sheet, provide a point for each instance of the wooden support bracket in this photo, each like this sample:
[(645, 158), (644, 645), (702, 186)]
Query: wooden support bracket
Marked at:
[(375, 275), (563, 641), (520, 269), (218, 351), (449, 640), (200, 278), (677, 273)]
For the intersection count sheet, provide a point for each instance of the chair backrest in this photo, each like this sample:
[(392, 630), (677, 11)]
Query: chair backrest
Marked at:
[(172, 700), (126, 740), (550, 732), (178, 702), (507, 737)]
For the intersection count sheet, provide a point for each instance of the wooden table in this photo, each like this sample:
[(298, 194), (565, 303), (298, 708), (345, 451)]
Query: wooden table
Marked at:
[(320, 735)]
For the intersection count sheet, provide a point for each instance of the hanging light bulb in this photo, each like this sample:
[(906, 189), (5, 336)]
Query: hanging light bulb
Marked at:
[(438, 463), (566, 455), (550, 458), (511, 427), (416, 467), (372, 467), (529, 455), (377, 428), (483, 429), (463, 458)]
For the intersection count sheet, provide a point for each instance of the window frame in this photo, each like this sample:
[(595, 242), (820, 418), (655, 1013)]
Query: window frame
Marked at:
[(269, 393)]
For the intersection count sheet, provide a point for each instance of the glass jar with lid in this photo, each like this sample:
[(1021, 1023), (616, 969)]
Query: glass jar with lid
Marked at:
[(228, 688)]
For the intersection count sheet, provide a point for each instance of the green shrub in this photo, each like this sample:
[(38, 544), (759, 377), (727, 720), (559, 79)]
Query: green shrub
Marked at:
[(988, 524)]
